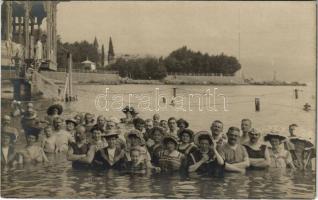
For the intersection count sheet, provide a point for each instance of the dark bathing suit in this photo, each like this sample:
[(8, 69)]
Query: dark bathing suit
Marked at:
[(78, 151)]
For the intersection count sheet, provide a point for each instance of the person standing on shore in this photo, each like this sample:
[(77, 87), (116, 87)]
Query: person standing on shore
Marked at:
[(246, 126)]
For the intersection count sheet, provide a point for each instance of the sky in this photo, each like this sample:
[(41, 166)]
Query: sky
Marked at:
[(274, 36)]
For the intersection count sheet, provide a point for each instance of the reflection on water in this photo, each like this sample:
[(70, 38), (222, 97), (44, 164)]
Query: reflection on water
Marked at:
[(57, 179)]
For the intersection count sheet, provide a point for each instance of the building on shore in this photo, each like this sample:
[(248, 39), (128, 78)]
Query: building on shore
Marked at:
[(89, 65)]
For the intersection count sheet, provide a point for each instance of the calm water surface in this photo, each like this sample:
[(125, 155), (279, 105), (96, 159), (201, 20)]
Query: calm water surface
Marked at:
[(279, 108)]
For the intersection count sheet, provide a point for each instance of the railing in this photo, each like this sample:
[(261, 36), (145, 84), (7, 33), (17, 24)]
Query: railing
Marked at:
[(197, 74), (89, 71)]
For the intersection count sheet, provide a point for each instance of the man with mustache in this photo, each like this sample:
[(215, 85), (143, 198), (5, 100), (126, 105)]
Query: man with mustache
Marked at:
[(218, 137), (235, 156), (257, 151)]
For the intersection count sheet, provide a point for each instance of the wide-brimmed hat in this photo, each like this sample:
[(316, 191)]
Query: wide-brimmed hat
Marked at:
[(304, 141), (180, 121), (132, 133), (71, 121), (269, 136), (30, 115), (59, 108), (114, 119), (111, 134), (188, 131), (202, 135), (166, 139)]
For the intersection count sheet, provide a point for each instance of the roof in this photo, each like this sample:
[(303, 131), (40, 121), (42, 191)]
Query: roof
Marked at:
[(87, 62)]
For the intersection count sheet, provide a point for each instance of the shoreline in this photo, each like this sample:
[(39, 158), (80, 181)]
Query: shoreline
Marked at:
[(157, 82)]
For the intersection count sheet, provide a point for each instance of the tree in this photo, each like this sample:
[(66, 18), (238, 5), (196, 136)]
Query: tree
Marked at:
[(187, 61), (103, 56), (95, 43), (111, 53), (141, 68)]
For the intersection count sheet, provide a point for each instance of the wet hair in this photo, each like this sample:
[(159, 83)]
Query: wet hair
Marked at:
[(134, 149), (247, 120), (232, 129), (35, 135), (293, 125), (156, 128), (138, 121), (148, 120), (205, 137), (217, 121), (172, 118)]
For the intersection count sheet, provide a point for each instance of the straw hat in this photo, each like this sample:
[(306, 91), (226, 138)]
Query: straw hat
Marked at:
[(189, 131), (305, 142), (202, 135), (111, 134), (166, 139), (269, 136), (71, 121)]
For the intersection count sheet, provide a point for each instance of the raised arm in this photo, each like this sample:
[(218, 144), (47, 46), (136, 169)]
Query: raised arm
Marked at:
[(196, 165)]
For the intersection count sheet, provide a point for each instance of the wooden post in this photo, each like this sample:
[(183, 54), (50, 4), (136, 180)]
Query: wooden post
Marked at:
[(296, 93), (26, 30), (70, 89), (174, 92), (257, 104)]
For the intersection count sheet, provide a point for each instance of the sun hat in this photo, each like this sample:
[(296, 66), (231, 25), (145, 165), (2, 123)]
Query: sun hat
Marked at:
[(166, 139), (269, 136), (202, 135), (189, 131)]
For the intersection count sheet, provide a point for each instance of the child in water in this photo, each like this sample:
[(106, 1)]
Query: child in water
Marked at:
[(49, 141), (136, 165), (32, 152)]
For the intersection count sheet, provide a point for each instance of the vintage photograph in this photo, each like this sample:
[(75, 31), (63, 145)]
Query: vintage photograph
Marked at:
[(158, 99)]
